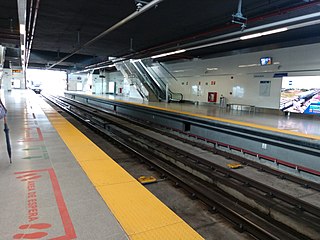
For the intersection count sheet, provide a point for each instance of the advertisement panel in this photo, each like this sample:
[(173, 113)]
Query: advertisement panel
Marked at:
[(300, 94)]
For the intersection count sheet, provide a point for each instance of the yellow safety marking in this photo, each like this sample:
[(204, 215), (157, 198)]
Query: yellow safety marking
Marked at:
[(253, 125), (171, 231), (140, 213), (103, 173), (161, 224)]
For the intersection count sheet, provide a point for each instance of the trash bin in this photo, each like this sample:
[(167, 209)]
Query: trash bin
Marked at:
[(222, 102)]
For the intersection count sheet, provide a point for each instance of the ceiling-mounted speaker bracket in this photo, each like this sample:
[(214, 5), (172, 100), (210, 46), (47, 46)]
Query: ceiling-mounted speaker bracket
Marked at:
[(238, 18), (140, 4)]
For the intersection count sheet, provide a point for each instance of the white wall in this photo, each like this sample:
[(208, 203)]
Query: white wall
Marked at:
[(18, 76), (118, 78), (6, 79), (98, 84), (74, 79), (11, 76), (227, 76)]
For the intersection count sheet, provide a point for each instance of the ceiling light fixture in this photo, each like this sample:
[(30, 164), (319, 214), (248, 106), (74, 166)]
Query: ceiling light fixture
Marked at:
[(181, 70), (249, 65), (212, 69), (256, 35), (168, 54), (22, 29)]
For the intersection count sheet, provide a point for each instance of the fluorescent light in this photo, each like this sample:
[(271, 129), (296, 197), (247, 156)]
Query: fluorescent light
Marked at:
[(275, 31), (181, 70), (256, 35), (212, 69), (213, 44), (249, 65), (251, 36), (22, 29), (169, 53), (135, 60)]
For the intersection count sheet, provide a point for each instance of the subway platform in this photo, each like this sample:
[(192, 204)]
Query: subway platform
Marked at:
[(286, 143), (298, 125), (62, 186)]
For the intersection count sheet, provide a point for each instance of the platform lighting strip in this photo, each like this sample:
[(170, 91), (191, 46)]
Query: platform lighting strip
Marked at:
[(22, 28), (22, 44), (255, 65), (92, 69), (256, 35), (169, 53)]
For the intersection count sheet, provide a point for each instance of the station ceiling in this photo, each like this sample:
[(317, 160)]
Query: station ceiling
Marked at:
[(64, 26)]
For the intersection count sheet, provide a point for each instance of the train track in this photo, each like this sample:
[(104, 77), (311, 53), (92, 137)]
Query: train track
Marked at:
[(264, 212)]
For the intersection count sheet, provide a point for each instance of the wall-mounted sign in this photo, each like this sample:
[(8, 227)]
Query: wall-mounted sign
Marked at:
[(300, 94), (280, 75), (264, 89)]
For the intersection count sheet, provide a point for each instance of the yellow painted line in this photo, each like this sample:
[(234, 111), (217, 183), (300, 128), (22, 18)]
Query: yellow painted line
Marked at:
[(252, 125), (140, 213)]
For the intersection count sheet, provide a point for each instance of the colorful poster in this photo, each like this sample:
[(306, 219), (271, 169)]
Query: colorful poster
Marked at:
[(300, 94)]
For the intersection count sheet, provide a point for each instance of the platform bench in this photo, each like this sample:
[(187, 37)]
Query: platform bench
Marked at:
[(239, 106)]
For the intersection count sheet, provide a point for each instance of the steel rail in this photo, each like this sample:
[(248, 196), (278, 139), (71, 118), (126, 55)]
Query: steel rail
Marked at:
[(295, 144), (195, 161), (237, 214), (205, 146)]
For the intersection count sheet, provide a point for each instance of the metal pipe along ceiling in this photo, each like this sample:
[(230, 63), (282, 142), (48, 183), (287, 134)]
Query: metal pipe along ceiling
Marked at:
[(193, 44), (297, 22), (29, 44), (28, 28), (190, 39), (307, 20), (114, 27)]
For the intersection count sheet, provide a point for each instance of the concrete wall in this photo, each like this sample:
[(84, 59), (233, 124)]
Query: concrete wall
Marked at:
[(238, 77)]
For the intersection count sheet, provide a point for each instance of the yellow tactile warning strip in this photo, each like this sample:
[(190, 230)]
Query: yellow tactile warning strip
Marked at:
[(253, 125), (139, 212)]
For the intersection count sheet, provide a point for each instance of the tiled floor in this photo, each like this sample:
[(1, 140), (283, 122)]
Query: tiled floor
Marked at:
[(44, 192), (62, 186)]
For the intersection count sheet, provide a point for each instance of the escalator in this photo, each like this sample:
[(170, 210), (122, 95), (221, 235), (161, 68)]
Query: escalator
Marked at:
[(164, 77), (143, 76)]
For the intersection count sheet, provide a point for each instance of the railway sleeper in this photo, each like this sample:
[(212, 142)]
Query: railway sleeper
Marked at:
[(286, 215)]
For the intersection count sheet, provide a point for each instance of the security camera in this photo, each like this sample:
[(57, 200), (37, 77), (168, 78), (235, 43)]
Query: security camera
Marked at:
[(139, 6)]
